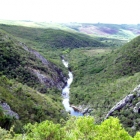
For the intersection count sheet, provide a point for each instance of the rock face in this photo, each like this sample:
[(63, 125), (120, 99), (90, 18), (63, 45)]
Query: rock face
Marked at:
[(75, 108), (56, 79), (80, 109), (137, 90), (8, 111), (135, 94), (86, 111), (136, 109)]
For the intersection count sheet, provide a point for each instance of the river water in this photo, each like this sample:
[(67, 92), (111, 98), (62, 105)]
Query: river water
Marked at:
[(66, 93)]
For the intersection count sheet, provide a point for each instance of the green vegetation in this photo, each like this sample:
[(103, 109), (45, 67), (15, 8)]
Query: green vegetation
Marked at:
[(21, 94), (14, 61), (100, 81), (103, 75), (74, 129), (30, 105), (18, 63)]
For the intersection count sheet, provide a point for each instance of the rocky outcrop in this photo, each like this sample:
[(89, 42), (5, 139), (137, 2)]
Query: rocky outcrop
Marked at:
[(80, 109), (7, 110), (86, 111), (56, 79), (128, 99), (45, 79), (137, 91), (136, 109), (75, 108)]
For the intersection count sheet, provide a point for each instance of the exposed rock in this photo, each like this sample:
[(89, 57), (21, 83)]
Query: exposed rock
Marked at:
[(8, 111), (57, 79), (135, 93), (81, 110), (136, 109), (75, 108), (120, 104), (44, 79), (86, 111), (137, 90)]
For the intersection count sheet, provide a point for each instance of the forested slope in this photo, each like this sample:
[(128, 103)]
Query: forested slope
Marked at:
[(26, 65), (24, 76), (102, 81)]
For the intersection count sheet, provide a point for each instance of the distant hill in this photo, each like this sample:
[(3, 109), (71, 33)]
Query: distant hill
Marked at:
[(54, 38), (75, 30), (118, 31)]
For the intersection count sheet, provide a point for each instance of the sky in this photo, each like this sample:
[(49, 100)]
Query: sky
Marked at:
[(83, 11)]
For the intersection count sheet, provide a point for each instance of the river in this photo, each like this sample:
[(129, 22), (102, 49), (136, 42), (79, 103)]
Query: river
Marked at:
[(66, 93)]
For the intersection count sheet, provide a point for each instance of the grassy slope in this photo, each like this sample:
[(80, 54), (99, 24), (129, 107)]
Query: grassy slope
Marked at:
[(102, 80), (30, 105)]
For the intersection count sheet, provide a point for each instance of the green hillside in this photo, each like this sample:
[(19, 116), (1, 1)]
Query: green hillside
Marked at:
[(30, 105), (100, 81), (32, 76), (54, 38), (25, 65)]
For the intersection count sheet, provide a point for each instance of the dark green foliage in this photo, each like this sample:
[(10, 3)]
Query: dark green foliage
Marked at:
[(54, 38), (14, 61), (102, 81), (5, 120)]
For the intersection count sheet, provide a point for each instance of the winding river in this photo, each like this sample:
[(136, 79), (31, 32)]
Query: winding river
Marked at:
[(66, 93)]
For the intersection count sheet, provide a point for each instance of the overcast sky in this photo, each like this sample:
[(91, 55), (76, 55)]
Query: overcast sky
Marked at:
[(104, 11)]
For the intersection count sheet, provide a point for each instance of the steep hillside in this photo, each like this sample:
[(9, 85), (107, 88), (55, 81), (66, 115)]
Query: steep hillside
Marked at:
[(26, 65), (21, 100), (101, 81), (126, 59)]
